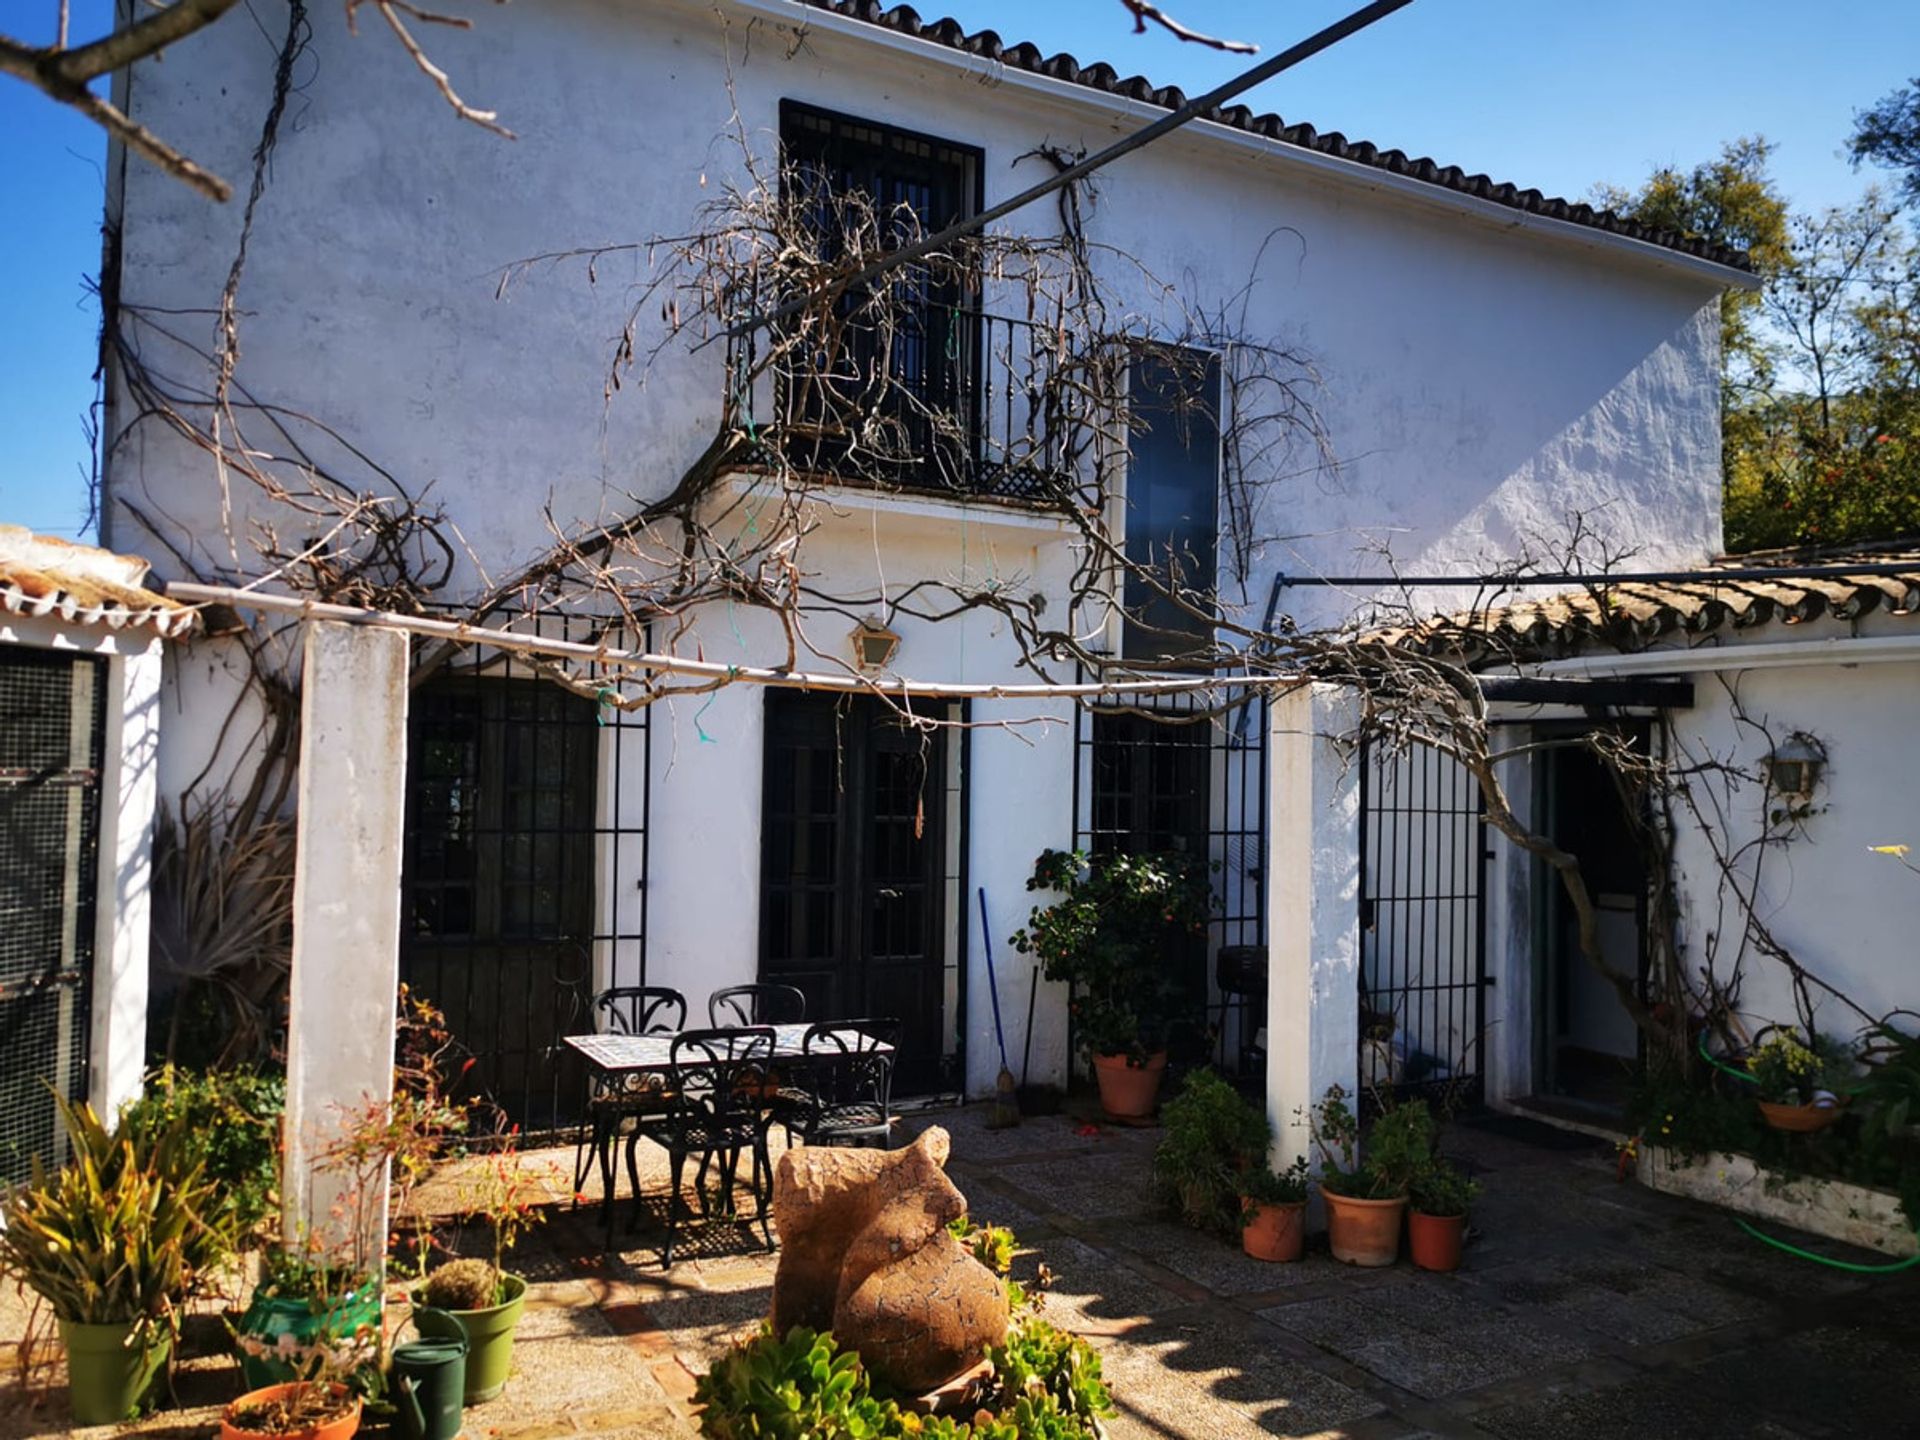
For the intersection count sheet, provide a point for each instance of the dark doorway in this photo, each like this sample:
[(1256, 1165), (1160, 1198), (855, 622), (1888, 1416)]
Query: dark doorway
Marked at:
[(853, 874), (498, 913), (1586, 1044)]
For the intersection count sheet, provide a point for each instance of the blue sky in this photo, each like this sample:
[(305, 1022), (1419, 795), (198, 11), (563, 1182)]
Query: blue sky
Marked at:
[(1547, 93)]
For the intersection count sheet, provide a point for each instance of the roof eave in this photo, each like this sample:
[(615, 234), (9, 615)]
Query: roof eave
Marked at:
[(1344, 171)]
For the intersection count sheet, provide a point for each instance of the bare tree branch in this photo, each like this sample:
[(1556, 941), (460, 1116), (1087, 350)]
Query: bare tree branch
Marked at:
[(1144, 10)]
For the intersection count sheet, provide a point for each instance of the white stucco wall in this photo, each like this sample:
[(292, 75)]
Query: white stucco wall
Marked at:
[(1480, 377)]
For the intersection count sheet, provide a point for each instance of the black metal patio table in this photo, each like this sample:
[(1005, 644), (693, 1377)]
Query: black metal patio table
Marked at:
[(625, 1062)]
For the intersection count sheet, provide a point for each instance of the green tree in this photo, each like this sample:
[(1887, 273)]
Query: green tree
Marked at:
[(1730, 200), (1821, 391), (1888, 134)]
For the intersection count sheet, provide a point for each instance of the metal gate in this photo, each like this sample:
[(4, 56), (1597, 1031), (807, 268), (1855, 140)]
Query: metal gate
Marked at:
[(52, 728), (526, 866), (1423, 923), (1164, 774)]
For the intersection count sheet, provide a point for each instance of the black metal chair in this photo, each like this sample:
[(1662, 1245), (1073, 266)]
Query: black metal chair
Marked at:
[(625, 1010), (718, 1082), (849, 1069), (757, 1005)]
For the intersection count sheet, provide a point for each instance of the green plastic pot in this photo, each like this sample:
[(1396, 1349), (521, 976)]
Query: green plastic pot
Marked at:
[(270, 1315), (108, 1371), (489, 1339)]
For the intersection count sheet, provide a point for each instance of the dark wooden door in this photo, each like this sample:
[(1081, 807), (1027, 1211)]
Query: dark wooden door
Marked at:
[(852, 895), (498, 920)]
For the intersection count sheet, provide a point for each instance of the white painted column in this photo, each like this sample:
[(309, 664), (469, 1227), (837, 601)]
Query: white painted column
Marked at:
[(124, 876), (1313, 910), (346, 926)]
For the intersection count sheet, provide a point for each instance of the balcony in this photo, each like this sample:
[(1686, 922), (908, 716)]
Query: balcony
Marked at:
[(922, 397)]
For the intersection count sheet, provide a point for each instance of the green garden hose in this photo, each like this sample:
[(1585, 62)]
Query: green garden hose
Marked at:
[(1847, 1265)]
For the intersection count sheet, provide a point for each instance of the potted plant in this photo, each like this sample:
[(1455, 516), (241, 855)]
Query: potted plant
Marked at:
[(297, 1410), (302, 1302), (1273, 1210), (1210, 1134), (1798, 1082), (110, 1241), (481, 1294), (1439, 1199), (1366, 1201), (1115, 935)]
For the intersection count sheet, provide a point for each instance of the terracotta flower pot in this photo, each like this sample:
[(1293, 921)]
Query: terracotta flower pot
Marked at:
[(1433, 1241), (339, 1428), (1364, 1232), (1800, 1119), (1127, 1091), (1274, 1230)]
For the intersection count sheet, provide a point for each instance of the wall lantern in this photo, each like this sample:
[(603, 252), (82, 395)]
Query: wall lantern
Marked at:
[(1793, 769), (874, 646)]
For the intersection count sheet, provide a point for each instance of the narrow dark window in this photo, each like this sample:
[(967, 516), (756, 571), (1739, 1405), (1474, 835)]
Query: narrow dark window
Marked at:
[(1173, 502)]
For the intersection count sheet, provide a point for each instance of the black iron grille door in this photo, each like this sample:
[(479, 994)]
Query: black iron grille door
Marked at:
[(52, 720), (499, 914), (852, 875), (1423, 920)]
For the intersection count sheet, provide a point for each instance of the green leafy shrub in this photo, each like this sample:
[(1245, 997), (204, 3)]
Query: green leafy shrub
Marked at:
[(991, 1245), (121, 1231), (1045, 1386), (1210, 1135), (231, 1123), (1399, 1146), (1111, 935), (1261, 1185), (1443, 1189)]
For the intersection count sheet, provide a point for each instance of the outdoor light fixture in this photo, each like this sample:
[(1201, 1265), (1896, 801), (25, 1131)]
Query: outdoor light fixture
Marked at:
[(1793, 769), (874, 646)]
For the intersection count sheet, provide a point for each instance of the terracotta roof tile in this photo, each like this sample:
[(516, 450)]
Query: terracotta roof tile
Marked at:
[(41, 575), (1099, 75), (1792, 587)]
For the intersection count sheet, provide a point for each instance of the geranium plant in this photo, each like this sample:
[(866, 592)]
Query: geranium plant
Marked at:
[(1116, 934)]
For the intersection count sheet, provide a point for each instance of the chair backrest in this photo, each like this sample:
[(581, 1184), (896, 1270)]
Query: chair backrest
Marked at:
[(851, 1061), (640, 1010), (757, 1005), (722, 1074)]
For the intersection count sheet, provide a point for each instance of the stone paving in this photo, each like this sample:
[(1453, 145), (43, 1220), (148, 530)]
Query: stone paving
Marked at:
[(1585, 1307)]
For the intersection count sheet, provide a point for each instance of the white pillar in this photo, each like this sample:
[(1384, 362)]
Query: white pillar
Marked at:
[(346, 926), (1313, 910), (124, 877)]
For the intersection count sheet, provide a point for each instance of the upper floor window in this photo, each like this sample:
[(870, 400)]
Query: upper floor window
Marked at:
[(890, 392), (1173, 503)]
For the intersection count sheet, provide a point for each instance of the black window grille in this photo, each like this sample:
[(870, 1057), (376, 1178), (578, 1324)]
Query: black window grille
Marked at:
[(52, 738), (912, 383), (525, 867)]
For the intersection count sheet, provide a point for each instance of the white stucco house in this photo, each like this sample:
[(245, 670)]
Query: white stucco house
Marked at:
[(1488, 364)]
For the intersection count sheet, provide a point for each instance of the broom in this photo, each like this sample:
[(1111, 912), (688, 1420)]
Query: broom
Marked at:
[(1006, 1104)]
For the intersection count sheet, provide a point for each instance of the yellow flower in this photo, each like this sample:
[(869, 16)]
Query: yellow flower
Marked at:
[(1901, 851)]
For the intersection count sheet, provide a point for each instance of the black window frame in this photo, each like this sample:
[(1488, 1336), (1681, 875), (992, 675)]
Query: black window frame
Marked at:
[(1153, 628), (845, 133)]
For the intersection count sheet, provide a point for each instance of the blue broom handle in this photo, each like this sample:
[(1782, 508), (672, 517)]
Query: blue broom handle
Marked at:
[(993, 985)]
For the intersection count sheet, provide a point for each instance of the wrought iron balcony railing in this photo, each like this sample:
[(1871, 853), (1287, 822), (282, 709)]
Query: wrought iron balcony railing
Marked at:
[(923, 397)]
